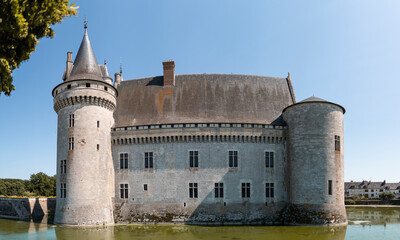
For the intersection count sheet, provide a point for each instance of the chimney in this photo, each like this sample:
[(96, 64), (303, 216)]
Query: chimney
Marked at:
[(69, 65), (169, 73), (117, 77)]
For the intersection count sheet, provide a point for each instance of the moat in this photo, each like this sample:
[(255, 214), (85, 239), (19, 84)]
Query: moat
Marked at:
[(364, 223)]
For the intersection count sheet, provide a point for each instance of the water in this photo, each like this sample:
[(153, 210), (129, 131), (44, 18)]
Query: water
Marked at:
[(364, 223)]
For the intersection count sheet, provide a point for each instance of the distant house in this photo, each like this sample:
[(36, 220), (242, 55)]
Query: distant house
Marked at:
[(370, 189)]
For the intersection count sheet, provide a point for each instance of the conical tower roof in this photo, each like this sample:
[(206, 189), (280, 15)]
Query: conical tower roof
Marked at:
[(85, 65)]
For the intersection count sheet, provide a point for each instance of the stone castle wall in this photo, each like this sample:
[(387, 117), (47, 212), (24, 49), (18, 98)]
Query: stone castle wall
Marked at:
[(313, 162), (167, 195), (89, 170)]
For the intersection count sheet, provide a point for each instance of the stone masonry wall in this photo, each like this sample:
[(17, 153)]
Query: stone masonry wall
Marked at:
[(27, 208), (167, 195)]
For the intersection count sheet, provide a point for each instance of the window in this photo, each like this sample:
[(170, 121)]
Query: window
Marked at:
[(233, 158), (71, 143), (148, 160), (63, 190), (63, 166), (69, 86), (219, 190), (87, 84), (145, 187), (71, 120), (98, 147), (330, 187), (245, 190), (194, 159), (269, 190), (337, 143), (193, 190), (123, 161), (98, 124), (269, 159), (123, 188), (105, 88)]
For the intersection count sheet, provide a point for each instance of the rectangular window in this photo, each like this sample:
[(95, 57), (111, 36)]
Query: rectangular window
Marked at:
[(269, 159), (98, 124), (63, 166), (337, 143), (148, 160), (123, 161), (193, 190), (69, 86), (87, 84), (194, 159), (98, 147), (219, 190), (145, 187), (105, 88), (71, 143), (71, 120), (269, 190), (63, 190), (123, 188), (233, 158), (245, 190), (330, 187)]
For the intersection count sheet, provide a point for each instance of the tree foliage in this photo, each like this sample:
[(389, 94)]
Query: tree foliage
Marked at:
[(40, 184), (386, 196), (22, 23)]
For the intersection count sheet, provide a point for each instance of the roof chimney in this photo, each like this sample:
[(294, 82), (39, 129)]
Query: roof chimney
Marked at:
[(169, 73), (69, 65), (117, 81)]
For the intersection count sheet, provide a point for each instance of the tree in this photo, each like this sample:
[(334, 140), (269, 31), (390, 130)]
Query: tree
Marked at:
[(22, 23), (42, 185), (386, 196)]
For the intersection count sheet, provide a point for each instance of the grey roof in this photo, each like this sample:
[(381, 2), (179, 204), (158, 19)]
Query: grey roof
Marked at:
[(371, 185), (104, 71), (314, 99), (85, 64), (203, 98)]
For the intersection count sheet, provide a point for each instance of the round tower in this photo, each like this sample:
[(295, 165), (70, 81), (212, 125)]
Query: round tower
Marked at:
[(85, 103), (315, 159)]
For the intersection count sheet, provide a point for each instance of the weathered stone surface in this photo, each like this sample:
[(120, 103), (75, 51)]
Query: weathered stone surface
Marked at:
[(313, 161)]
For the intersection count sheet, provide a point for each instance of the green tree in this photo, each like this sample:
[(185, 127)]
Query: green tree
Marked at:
[(42, 185), (12, 187), (386, 196), (22, 23)]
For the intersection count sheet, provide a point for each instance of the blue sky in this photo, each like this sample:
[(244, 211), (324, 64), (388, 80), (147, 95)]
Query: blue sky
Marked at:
[(345, 51)]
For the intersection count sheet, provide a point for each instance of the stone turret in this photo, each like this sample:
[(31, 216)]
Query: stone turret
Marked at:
[(85, 103), (316, 171)]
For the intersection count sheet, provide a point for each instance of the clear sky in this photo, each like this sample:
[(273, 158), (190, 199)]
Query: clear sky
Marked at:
[(345, 51)]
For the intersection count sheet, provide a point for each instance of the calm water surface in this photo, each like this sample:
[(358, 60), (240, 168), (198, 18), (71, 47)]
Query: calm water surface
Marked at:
[(364, 223)]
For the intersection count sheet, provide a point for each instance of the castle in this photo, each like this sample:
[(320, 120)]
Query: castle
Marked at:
[(196, 148)]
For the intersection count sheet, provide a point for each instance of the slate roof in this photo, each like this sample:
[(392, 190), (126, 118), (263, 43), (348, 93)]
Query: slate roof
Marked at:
[(203, 98), (85, 65), (371, 185)]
